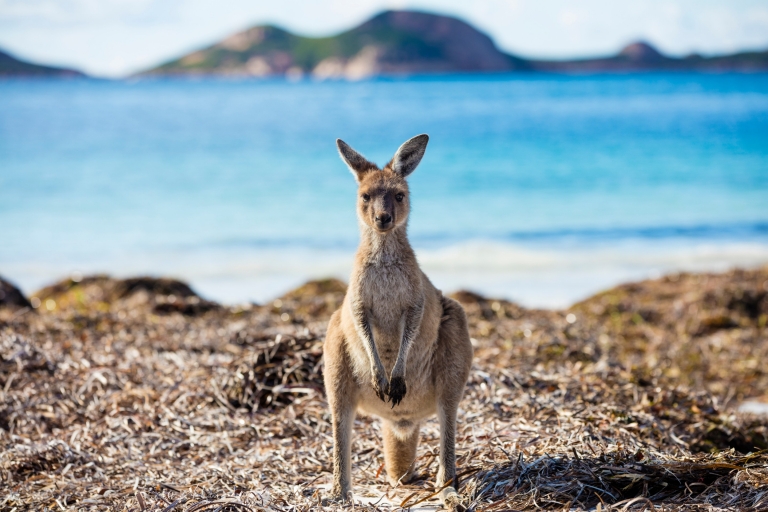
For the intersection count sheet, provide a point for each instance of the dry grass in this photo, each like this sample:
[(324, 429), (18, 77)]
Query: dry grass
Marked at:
[(138, 395)]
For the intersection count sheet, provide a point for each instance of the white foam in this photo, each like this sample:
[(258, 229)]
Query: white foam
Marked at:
[(555, 277), (552, 276)]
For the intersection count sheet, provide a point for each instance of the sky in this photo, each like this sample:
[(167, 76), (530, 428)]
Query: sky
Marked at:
[(114, 38)]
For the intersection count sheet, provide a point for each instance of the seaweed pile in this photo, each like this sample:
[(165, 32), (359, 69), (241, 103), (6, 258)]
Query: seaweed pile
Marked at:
[(139, 395)]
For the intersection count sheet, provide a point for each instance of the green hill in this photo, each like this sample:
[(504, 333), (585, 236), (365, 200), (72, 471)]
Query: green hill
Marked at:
[(410, 42), (393, 42)]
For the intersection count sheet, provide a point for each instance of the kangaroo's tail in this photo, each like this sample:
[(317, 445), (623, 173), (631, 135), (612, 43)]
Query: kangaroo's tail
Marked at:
[(450, 308)]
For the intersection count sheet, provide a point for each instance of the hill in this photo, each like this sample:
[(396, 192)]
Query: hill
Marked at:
[(411, 42), (393, 42), (11, 66), (641, 56)]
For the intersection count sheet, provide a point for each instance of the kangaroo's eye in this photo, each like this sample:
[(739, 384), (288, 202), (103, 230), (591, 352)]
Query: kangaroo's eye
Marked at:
[(366, 198), (400, 197)]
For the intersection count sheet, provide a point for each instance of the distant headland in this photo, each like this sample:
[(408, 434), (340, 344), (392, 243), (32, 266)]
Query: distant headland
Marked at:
[(397, 43), (11, 66), (411, 42)]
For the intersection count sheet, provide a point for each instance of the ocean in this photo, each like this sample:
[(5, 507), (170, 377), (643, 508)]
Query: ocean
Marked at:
[(543, 189)]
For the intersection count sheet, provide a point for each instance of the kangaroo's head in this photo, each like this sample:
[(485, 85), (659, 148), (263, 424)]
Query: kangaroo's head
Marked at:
[(382, 199)]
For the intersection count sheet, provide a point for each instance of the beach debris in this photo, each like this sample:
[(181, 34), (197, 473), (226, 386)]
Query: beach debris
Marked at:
[(107, 403), (274, 372)]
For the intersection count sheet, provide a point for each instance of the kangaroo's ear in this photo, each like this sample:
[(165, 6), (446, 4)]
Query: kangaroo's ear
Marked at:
[(409, 155), (356, 162)]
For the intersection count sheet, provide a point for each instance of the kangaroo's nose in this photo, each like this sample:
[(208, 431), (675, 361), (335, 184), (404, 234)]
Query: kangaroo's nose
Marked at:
[(384, 218)]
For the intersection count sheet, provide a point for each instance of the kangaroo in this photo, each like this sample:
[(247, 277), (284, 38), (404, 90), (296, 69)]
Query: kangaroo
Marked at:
[(397, 348)]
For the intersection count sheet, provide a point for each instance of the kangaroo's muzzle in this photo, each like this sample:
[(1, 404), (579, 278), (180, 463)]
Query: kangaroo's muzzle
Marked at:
[(384, 221)]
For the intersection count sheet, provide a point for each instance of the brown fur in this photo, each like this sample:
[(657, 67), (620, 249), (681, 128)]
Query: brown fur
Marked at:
[(397, 348)]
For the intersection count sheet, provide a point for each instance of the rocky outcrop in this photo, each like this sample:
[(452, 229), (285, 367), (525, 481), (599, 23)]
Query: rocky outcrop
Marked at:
[(101, 292), (11, 297)]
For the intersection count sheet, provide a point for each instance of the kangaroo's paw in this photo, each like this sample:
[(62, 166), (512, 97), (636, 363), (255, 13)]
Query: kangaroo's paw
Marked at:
[(380, 385), (397, 390), (451, 500)]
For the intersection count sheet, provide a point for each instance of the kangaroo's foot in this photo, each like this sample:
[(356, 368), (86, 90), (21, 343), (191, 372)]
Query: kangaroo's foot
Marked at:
[(397, 390), (336, 497), (451, 500)]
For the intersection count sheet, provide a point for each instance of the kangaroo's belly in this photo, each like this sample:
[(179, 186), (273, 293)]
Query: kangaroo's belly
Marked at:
[(420, 398), (418, 404), (387, 342), (386, 306)]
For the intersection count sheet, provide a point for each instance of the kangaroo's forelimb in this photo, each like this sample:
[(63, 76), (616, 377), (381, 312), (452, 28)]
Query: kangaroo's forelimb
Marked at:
[(379, 381), (397, 387)]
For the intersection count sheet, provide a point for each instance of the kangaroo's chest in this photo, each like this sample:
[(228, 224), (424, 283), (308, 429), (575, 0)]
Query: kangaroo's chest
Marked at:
[(387, 292)]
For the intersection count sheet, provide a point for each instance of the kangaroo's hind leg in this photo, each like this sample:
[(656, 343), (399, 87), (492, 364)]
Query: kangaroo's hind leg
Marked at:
[(453, 363), (400, 442), (342, 392)]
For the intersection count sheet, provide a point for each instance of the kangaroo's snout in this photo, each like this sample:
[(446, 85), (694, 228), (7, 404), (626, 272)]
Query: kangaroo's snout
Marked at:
[(385, 210), (383, 220)]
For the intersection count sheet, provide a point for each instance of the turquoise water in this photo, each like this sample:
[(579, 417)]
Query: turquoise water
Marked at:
[(539, 188)]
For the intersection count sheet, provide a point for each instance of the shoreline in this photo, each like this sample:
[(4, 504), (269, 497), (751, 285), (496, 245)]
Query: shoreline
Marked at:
[(551, 276)]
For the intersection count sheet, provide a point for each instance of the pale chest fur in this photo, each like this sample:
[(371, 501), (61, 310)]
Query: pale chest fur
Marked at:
[(386, 288), (387, 292)]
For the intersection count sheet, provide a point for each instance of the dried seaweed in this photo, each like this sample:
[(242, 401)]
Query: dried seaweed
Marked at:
[(117, 396), (275, 372)]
